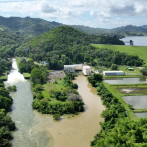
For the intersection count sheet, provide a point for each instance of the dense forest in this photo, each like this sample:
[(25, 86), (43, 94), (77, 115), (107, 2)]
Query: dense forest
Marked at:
[(5, 64), (6, 124), (29, 27), (117, 129), (65, 45)]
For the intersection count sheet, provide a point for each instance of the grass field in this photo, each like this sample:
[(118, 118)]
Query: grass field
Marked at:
[(140, 51), (27, 75), (52, 86)]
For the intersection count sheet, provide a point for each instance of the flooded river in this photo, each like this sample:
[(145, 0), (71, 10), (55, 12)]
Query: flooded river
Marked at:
[(35, 129)]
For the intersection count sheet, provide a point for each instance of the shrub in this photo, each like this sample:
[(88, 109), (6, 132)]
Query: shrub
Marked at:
[(56, 116)]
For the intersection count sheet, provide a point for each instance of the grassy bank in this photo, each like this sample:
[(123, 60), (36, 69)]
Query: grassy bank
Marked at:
[(140, 51), (140, 110), (27, 75)]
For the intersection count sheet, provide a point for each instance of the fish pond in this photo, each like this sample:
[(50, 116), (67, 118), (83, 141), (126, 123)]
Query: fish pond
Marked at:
[(125, 80)]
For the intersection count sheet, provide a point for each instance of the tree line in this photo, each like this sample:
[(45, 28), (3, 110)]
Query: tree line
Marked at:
[(6, 124)]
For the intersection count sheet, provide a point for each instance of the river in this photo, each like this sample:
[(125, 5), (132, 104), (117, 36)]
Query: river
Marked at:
[(137, 40), (36, 129)]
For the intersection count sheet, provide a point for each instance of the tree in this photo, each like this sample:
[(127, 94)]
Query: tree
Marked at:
[(56, 116), (114, 67), (144, 71), (38, 76)]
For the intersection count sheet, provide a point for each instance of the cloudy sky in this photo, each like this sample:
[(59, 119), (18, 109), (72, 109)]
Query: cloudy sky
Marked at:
[(93, 13)]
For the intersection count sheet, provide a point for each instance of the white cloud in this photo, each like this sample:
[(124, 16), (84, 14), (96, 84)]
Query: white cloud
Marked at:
[(47, 9), (99, 14), (77, 11)]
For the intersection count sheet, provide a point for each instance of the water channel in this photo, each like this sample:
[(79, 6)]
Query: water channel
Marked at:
[(35, 129)]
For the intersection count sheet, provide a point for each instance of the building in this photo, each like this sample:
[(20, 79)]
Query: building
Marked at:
[(69, 68), (86, 70), (78, 66), (113, 73)]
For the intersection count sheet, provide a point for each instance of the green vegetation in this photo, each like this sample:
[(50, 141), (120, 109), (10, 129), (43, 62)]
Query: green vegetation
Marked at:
[(56, 116), (12, 88), (63, 45), (120, 32), (144, 71), (59, 97), (117, 129), (5, 64), (6, 124), (140, 51), (125, 133), (27, 75), (136, 89), (27, 26), (114, 67)]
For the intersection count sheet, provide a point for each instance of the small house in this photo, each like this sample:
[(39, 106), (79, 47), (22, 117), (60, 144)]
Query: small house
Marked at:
[(43, 63)]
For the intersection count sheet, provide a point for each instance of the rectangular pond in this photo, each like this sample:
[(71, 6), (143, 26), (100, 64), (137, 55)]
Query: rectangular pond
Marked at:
[(138, 102), (125, 80), (141, 114)]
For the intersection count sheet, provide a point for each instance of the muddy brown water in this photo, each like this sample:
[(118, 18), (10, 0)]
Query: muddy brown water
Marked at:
[(36, 129)]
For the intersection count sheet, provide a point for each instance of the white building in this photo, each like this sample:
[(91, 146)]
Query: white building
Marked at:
[(78, 66), (113, 73), (69, 68), (86, 70)]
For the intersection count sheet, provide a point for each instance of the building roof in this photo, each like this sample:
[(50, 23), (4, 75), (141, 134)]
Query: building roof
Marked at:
[(87, 67), (112, 71), (69, 65)]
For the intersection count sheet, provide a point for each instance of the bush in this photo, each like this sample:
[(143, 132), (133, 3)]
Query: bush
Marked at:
[(114, 67), (39, 96), (12, 88), (56, 116), (144, 71)]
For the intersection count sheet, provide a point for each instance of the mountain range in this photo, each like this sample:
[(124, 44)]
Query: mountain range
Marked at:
[(35, 26)]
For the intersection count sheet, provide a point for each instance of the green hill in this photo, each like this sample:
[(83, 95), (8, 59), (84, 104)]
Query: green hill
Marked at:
[(140, 51), (63, 45), (27, 26)]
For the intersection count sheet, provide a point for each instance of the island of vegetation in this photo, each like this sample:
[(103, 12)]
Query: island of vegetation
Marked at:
[(12, 88)]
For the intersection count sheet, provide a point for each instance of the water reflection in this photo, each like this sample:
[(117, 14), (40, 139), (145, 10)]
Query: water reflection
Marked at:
[(138, 102), (125, 80), (141, 114)]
